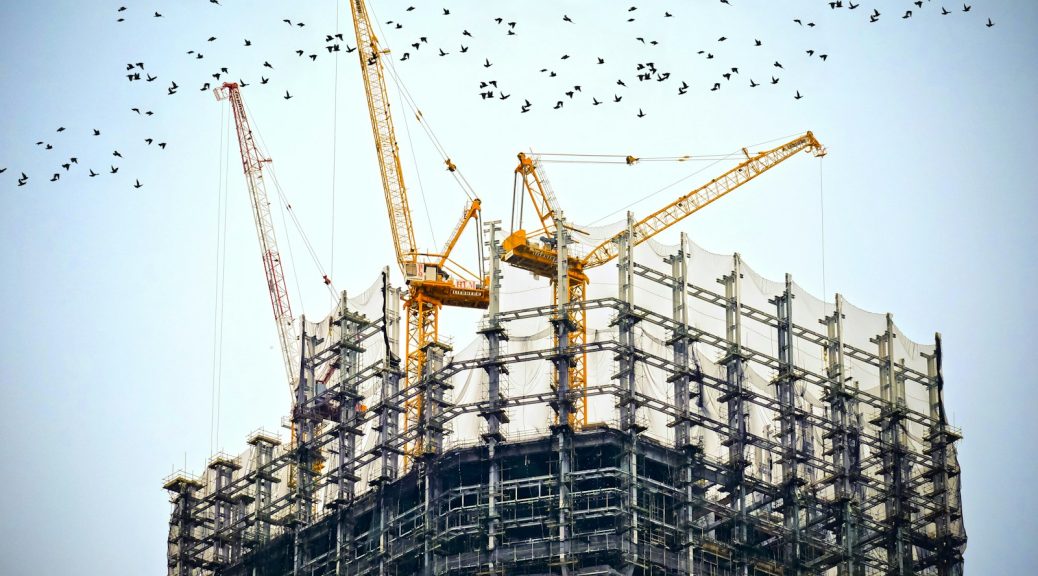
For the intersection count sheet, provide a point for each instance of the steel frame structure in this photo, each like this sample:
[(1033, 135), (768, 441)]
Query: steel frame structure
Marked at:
[(600, 500)]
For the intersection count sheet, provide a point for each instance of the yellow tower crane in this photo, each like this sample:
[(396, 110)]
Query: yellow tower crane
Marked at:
[(428, 274), (541, 258)]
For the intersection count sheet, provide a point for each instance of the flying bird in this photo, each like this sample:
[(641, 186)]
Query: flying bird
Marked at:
[(287, 95), (114, 170), (640, 113), (137, 184), (566, 18), (798, 96)]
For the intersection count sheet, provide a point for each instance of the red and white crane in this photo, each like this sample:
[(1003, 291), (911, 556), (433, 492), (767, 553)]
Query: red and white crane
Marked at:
[(252, 163)]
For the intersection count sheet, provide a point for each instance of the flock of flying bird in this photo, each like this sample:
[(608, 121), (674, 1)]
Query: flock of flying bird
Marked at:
[(641, 71)]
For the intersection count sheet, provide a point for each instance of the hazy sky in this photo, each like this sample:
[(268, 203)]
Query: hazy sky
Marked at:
[(112, 293)]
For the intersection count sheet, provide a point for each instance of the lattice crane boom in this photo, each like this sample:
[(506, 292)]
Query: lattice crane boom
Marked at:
[(701, 197), (369, 52), (252, 164)]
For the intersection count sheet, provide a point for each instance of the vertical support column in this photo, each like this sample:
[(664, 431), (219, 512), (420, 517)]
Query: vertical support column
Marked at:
[(788, 420), (182, 525), (225, 541), (562, 402), (895, 469), (949, 541), (430, 429), (347, 430), (262, 454), (493, 411), (388, 419), (685, 374), (306, 454), (845, 439), (628, 400), (734, 396)]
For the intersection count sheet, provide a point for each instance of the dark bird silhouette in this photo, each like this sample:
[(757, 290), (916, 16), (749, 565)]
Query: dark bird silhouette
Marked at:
[(74, 160), (410, 8), (55, 177), (594, 101), (487, 63), (442, 53), (722, 39), (798, 96), (48, 147), (92, 173), (466, 33), (990, 23), (137, 184), (60, 129), (151, 78), (137, 110), (566, 19), (823, 57), (668, 15), (117, 154), (944, 11), (349, 49), (852, 5), (267, 65), (810, 52), (264, 80), (617, 98), (774, 80), (446, 12), (66, 166), (211, 39), (777, 64), (287, 95), (756, 42), (464, 49), (797, 20), (313, 57), (966, 8), (640, 113), (753, 84), (570, 94), (121, 9), (149, 141), (908, 14), (564, 57), (204, 87), (504, 96), (717, 86), (247, 42), (558, 105), (113, 170), (601, 60), (157, 15), (162, 145), (405, 56)]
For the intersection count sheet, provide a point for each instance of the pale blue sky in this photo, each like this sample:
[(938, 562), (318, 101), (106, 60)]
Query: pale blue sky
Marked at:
[(107, 355)]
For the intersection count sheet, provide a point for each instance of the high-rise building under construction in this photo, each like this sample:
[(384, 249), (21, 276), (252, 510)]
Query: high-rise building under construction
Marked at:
[(731, 425)]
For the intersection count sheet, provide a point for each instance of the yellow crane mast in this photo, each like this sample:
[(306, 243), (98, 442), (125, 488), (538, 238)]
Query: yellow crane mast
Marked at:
[(542, 258), (428, 274)]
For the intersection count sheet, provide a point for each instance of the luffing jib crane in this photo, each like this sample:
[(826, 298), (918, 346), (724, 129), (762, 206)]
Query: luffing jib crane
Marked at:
[(428, 274), (252, 163), (542, 258)]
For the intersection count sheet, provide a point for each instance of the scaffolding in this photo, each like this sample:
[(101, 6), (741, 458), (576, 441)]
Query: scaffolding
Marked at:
[(734, 435)]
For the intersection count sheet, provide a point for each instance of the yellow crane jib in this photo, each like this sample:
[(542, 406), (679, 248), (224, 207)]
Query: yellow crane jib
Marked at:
[(541, 258)]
